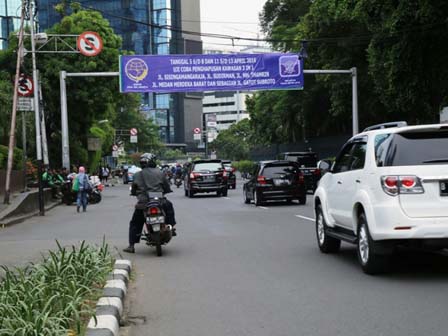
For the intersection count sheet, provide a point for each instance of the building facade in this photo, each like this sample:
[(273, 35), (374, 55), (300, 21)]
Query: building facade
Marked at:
[(9, 20), (153, 27), (228, 106)]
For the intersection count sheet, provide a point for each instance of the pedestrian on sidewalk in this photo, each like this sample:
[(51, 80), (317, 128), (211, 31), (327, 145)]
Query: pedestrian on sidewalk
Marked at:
[(82, 186)]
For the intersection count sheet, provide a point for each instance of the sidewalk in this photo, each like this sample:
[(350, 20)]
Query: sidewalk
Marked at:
[(23, 206)]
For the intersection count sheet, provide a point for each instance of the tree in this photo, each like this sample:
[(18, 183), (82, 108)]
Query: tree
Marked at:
[(407, 56), (6, 92), (89, 99), (233, 143)]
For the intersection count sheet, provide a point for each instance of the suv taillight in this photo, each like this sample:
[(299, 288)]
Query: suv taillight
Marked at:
[(300, 177), (401, 184), (261, 180)]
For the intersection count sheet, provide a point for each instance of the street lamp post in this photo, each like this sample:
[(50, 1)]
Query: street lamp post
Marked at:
[(36, 112)]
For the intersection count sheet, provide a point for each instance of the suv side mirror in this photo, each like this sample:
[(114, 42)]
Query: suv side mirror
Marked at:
[(324, 166)]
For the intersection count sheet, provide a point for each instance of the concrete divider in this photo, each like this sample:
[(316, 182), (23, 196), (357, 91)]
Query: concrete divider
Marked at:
[(109, 307)]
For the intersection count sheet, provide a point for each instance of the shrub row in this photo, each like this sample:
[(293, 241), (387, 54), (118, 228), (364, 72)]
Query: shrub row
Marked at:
[(55, 295)]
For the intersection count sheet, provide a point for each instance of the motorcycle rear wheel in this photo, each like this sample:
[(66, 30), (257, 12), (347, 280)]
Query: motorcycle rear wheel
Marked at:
[(159, 249)]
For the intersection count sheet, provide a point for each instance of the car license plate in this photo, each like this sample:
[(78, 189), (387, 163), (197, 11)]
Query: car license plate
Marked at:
[(209, 178), (281, 182), (444, 188)]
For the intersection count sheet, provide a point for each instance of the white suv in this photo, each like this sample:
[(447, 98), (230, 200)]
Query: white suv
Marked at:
[(387, 187)]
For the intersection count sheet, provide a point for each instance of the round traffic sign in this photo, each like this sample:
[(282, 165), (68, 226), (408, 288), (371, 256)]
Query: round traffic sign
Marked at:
[(133, 131), (114, 148), (197, 130), (25, 87), (89, 44)]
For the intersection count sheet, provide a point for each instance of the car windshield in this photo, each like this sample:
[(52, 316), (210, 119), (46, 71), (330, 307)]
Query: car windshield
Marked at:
[(212, 166), (278, 171), (304, 160), (413, 149)]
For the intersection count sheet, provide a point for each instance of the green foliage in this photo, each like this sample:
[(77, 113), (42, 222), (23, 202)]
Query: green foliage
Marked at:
[(244, 166), (6, 92), (52, 297), (17, 162), (233, 143), (399, 49), (173, 154), (89, 99)]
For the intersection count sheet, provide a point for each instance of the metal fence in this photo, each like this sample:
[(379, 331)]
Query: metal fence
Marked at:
[(16, 181), (324, 146)]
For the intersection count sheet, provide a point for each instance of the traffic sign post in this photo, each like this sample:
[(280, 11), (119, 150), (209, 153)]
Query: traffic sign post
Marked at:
[(25, 87), (89, 44), (197, 134), (25, 104), (133, 131)]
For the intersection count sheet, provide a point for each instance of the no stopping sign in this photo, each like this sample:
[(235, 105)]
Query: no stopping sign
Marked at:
[(89, 44)]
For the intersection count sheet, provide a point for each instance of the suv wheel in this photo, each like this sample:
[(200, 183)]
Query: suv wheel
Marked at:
[(302, 199), (326, 243), (257, 200), (190, 193), (225, 192), (371, 262)]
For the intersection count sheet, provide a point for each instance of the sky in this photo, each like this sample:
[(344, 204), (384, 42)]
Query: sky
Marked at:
[(230, 17)]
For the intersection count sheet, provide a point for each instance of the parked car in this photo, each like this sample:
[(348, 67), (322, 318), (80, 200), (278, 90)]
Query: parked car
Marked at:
[(231, 173), (128, 176), (206, 176), (308, 165), (387, 187), (275, 181)]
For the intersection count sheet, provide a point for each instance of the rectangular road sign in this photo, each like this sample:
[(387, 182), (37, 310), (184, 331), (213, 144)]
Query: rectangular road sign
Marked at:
[(134, 139), (25, 104), (197, 136)]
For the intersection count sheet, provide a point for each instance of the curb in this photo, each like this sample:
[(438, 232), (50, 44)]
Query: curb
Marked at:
[(5, 222), (109, 307)]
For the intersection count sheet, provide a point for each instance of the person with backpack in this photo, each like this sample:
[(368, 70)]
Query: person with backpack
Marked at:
[(81, 185)]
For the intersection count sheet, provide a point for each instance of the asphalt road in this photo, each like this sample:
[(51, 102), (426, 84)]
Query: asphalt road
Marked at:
[(237, 269)]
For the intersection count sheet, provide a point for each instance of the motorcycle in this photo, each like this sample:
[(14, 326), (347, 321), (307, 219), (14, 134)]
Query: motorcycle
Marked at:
[(155, 231), (178, 181), (93, 194)]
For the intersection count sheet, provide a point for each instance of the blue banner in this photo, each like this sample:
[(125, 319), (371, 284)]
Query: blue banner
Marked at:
[(220, 72)]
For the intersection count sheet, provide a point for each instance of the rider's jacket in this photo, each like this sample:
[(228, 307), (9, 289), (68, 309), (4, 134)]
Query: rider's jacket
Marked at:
[(149, 179)]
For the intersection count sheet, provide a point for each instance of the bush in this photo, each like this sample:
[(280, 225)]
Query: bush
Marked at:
[(244, 166), (55, 295), (17, 163)]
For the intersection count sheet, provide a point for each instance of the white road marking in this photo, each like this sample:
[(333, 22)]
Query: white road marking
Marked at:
[(226, 197), (262, 207), (307, 218)]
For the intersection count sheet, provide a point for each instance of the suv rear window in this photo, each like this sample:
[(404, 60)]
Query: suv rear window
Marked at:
[(305, 160), (278, 170), (411, 149), (213, 166)]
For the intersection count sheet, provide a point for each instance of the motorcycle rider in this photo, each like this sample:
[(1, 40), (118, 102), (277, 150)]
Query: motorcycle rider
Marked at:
[(151, 179)]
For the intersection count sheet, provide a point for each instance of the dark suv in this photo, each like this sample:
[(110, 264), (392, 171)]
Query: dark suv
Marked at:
[(205, 176), (231, 173), (308, 165), (275, 180)]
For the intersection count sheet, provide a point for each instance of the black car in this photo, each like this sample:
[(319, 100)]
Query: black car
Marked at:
[(205, 176), (275, 181), (231, 173), (308, 165)]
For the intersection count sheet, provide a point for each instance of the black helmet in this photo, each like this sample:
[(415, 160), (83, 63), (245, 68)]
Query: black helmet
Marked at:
[(148, 160)]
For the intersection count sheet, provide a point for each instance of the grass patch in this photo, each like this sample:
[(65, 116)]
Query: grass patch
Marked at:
[(55, 295)]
